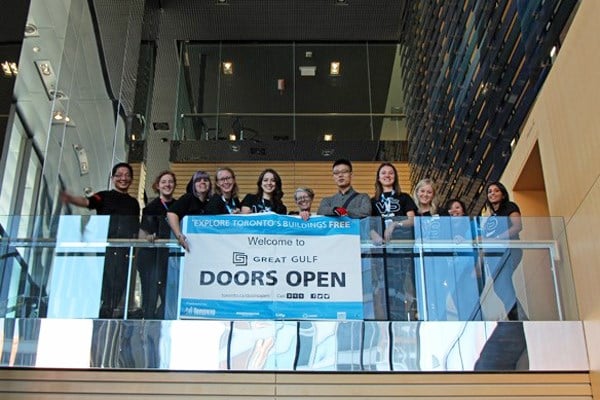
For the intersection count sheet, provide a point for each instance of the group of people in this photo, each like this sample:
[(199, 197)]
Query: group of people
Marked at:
[(162, 216)]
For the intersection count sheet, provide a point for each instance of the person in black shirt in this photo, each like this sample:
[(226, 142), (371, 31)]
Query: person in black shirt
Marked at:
[(424, 196), (124, 224), (191, 203), (268, 196), (463, 283), (152, 263), (396, 211), (396, 208), (225, 200), (504, 222)]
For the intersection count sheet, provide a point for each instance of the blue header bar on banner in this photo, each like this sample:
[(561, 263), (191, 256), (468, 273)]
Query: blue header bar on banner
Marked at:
[(271, 224)]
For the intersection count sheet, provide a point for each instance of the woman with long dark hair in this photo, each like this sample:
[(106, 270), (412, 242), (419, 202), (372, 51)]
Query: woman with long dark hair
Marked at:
[(268, 195), (503, 223)]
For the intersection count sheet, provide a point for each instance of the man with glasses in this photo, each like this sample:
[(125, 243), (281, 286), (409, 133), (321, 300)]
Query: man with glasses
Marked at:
[(347, 201), (124, 211)]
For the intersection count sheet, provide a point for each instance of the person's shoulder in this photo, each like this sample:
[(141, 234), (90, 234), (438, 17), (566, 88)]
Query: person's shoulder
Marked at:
[(250, 198), (328, 198), (215, 197), (152, 204), (512, 207)]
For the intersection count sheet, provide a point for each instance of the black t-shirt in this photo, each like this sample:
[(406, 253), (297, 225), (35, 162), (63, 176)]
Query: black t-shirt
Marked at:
[(188, 204), (218, 205), (262, 205), (123, 209), (392, 204), (154, 218), (497, 227)]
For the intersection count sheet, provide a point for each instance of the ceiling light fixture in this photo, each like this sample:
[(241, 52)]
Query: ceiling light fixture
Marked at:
[(10, 69), (31, 30), (60, 117), (232, 137), (308, 70), (49, 80), (334, 68), (328, 137), (227, 68)]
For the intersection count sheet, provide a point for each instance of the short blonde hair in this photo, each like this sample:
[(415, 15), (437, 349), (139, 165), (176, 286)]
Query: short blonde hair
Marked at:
[(310, 192)]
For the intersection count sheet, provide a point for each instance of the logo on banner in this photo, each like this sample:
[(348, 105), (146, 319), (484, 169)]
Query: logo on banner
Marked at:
[(240, 259)]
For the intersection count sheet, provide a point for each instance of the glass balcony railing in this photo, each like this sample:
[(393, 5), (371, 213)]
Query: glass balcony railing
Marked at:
[(428, 269)]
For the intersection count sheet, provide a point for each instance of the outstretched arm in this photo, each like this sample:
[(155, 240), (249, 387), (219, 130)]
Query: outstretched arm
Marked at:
[(173, 220), (79, 201)]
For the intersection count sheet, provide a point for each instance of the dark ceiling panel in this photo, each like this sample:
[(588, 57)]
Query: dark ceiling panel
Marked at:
[(12, 20), (270, 20)]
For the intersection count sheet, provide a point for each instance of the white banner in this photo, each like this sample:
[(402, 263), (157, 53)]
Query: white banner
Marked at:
[(269, 266)]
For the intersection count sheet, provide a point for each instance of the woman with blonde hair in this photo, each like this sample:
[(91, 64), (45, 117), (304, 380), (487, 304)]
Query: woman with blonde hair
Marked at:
[(225, 200), (424, 196)]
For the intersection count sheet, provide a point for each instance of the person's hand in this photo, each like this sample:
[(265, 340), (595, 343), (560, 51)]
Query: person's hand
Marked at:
[(65, 197), (182, 240), (236, 211), (340, 211), (458, 239), (389, 231), (376, 238), (304, 214), (151, 237)]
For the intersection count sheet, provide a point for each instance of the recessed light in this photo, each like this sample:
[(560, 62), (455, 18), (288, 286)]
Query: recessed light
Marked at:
[(227, 68), (334, 68), (9, 69)]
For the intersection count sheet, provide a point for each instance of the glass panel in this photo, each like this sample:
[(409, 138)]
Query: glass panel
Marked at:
[(442, 269), (271, 90)]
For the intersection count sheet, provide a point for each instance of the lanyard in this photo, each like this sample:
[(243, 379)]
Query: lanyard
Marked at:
[(265, 207), (230, 207), (387, 202)]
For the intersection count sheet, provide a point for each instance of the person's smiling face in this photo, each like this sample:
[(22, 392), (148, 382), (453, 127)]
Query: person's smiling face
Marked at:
[(122, 179), (303, 200), (166, 185), (425, 195), (386, 176), (225, 181), (495, 195), (268, 184), (456, 210)]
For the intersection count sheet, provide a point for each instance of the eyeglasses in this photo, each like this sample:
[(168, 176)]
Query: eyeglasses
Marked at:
[(342, 172), (225, 179), (303, 198), (202, 180)]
